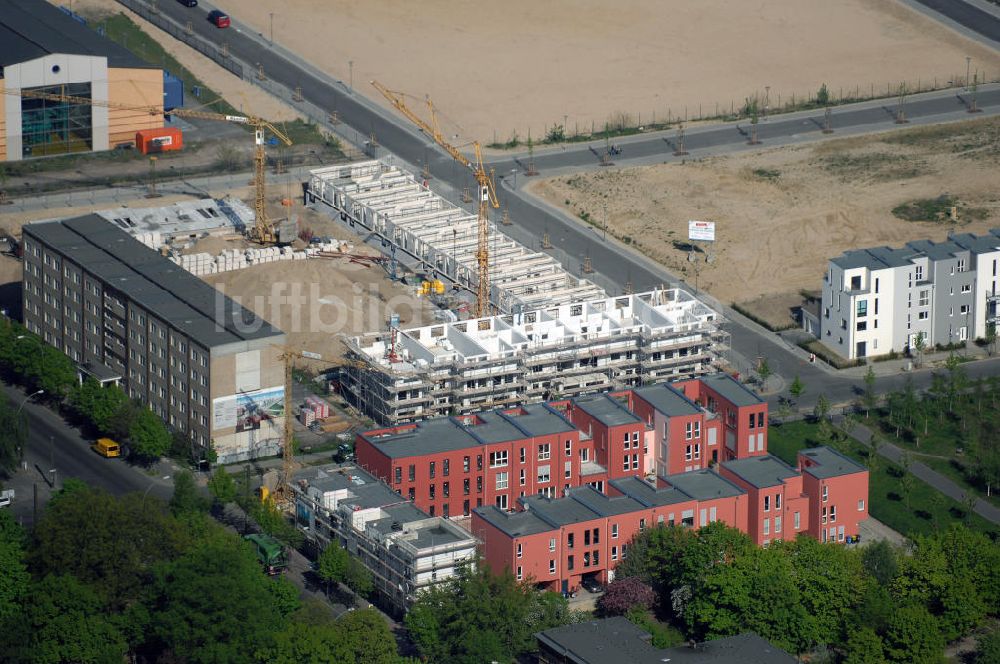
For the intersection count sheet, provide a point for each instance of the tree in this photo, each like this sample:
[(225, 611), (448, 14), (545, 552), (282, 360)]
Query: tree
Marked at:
[(797, 388), (823, 95), (358, 578), (822, 408), (213, 604), (864, 646), (13, 570), (332, 563), (869, 398), (765, 372), (480, 616), (879, 560), (623, 594), (186, 499), (830, 580), (364, 637), (222, 486), (62, 621), (108, 543), (919, 345), (988, 649), (13, 435), (913, 636), (148, 436), (103, 406)]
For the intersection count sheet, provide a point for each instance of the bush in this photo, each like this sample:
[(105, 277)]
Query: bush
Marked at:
[(624, 594)]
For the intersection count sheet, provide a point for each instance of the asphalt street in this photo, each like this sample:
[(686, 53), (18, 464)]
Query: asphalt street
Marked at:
[(615, 264), (52, 443)]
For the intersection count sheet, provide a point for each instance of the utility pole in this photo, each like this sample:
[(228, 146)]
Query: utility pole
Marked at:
[(272, 28), (350, 66), (968, 64)]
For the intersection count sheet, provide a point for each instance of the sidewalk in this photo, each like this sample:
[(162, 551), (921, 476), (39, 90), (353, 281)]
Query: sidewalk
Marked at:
[(936, 480)]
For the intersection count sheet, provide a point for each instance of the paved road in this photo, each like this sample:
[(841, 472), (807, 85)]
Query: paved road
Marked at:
[(616, 265), (966, 15), (52, 443), (935, 479)]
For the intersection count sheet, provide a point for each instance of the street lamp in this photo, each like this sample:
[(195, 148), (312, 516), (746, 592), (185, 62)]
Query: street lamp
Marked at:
[(272, 28), (513, 172), (27, 398), (968, 62), (350, 66)]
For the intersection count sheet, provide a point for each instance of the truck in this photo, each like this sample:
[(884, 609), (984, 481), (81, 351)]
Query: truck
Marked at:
[(272, 554), (6, 497)]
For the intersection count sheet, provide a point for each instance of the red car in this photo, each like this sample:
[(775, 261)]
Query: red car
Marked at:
[(218, 18)]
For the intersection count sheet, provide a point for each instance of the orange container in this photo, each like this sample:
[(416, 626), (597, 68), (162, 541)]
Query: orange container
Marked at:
[(164, 139)]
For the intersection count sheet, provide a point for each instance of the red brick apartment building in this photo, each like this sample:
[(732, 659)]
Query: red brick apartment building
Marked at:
[(557, 490)]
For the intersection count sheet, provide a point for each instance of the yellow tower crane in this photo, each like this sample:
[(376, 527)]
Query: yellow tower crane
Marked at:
[(487, 190), (263, 231)]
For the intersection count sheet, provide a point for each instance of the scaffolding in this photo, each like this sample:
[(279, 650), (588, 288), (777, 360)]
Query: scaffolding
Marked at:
[(557, 351), (404, 213)]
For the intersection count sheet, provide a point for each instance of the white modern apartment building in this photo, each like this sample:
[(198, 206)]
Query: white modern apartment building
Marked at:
[(882, 299), (405, 549)]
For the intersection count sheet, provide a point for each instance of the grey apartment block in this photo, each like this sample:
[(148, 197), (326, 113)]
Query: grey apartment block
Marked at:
[(406, 550), (882, 299), (124, 313)]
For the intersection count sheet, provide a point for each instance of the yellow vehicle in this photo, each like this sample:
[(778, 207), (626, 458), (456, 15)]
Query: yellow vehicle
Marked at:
[(107, 448)]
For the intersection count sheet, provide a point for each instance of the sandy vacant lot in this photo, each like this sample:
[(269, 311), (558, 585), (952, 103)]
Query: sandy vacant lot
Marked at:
[(500, 67), (782, 213)]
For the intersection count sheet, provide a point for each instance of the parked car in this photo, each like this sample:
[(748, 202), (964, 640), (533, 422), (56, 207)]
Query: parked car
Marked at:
[(345, 452), (591, 585), (189, 3), (219, 18)]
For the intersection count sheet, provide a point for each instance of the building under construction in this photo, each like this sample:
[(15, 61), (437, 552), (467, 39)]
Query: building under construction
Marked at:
[(406, 215), (546, 353)]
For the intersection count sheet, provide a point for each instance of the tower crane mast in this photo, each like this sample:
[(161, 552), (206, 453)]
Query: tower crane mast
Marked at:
[(484, 180)]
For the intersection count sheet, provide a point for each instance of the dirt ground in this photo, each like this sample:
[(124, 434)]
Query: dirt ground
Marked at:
[(781, 214), (525, 64), (240, 94)]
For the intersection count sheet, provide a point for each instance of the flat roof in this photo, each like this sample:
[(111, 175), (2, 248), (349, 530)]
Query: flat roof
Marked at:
[(616, 640), (731, 389), (31, 29), (559, 511), (761, 471), (601, 504), (978, 244), (606, 409), (667, 400), (540, 419), (441, 434), (153, 282), (827, 462), (366, 491), (648, 495), (704, 485), (513, 524)]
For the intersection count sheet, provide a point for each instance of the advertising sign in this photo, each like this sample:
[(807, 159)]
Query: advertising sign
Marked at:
[(247, 410), (703, 231)]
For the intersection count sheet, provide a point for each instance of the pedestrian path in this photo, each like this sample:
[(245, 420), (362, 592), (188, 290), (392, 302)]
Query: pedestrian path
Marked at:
[(936, 480)]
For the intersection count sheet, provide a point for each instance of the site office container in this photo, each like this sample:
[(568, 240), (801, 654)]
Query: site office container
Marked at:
[(164, 139)]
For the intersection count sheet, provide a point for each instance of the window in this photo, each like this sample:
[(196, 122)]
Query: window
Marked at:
[(412, 472), (753, 420), (411, 493), (479, 462), (570, 539), (767, 503), (465, 487), (922, 315), (597, 535), (569, 448), (642, 525), (798, 521), (597, 557), (586, 558), (501, 501), (961, 265), (501, 480), (552, 566), (863, 325), (833, 513), (543, 475), (479, 484), (862, 308), (966, 288), (688, 453), (498, 459), (614, 531), (767, 526), (697, 455), (432, 466), (861, 505), (625, 461), (520, 576), (624, 550), (964, 309), (399, 474), (465, 464), (924, 298), (614, 553), (777, 525), (918, 272), (826, 493), (586, 538), (446, 467), (432, 491), (635, 439), (522, 477), (552, 544), (697, 430), (447, 489), (777, 501), (570, 562), (523, 452), (544, 452), (519, 550), (568, 471), (824, 515), (688, 431)]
